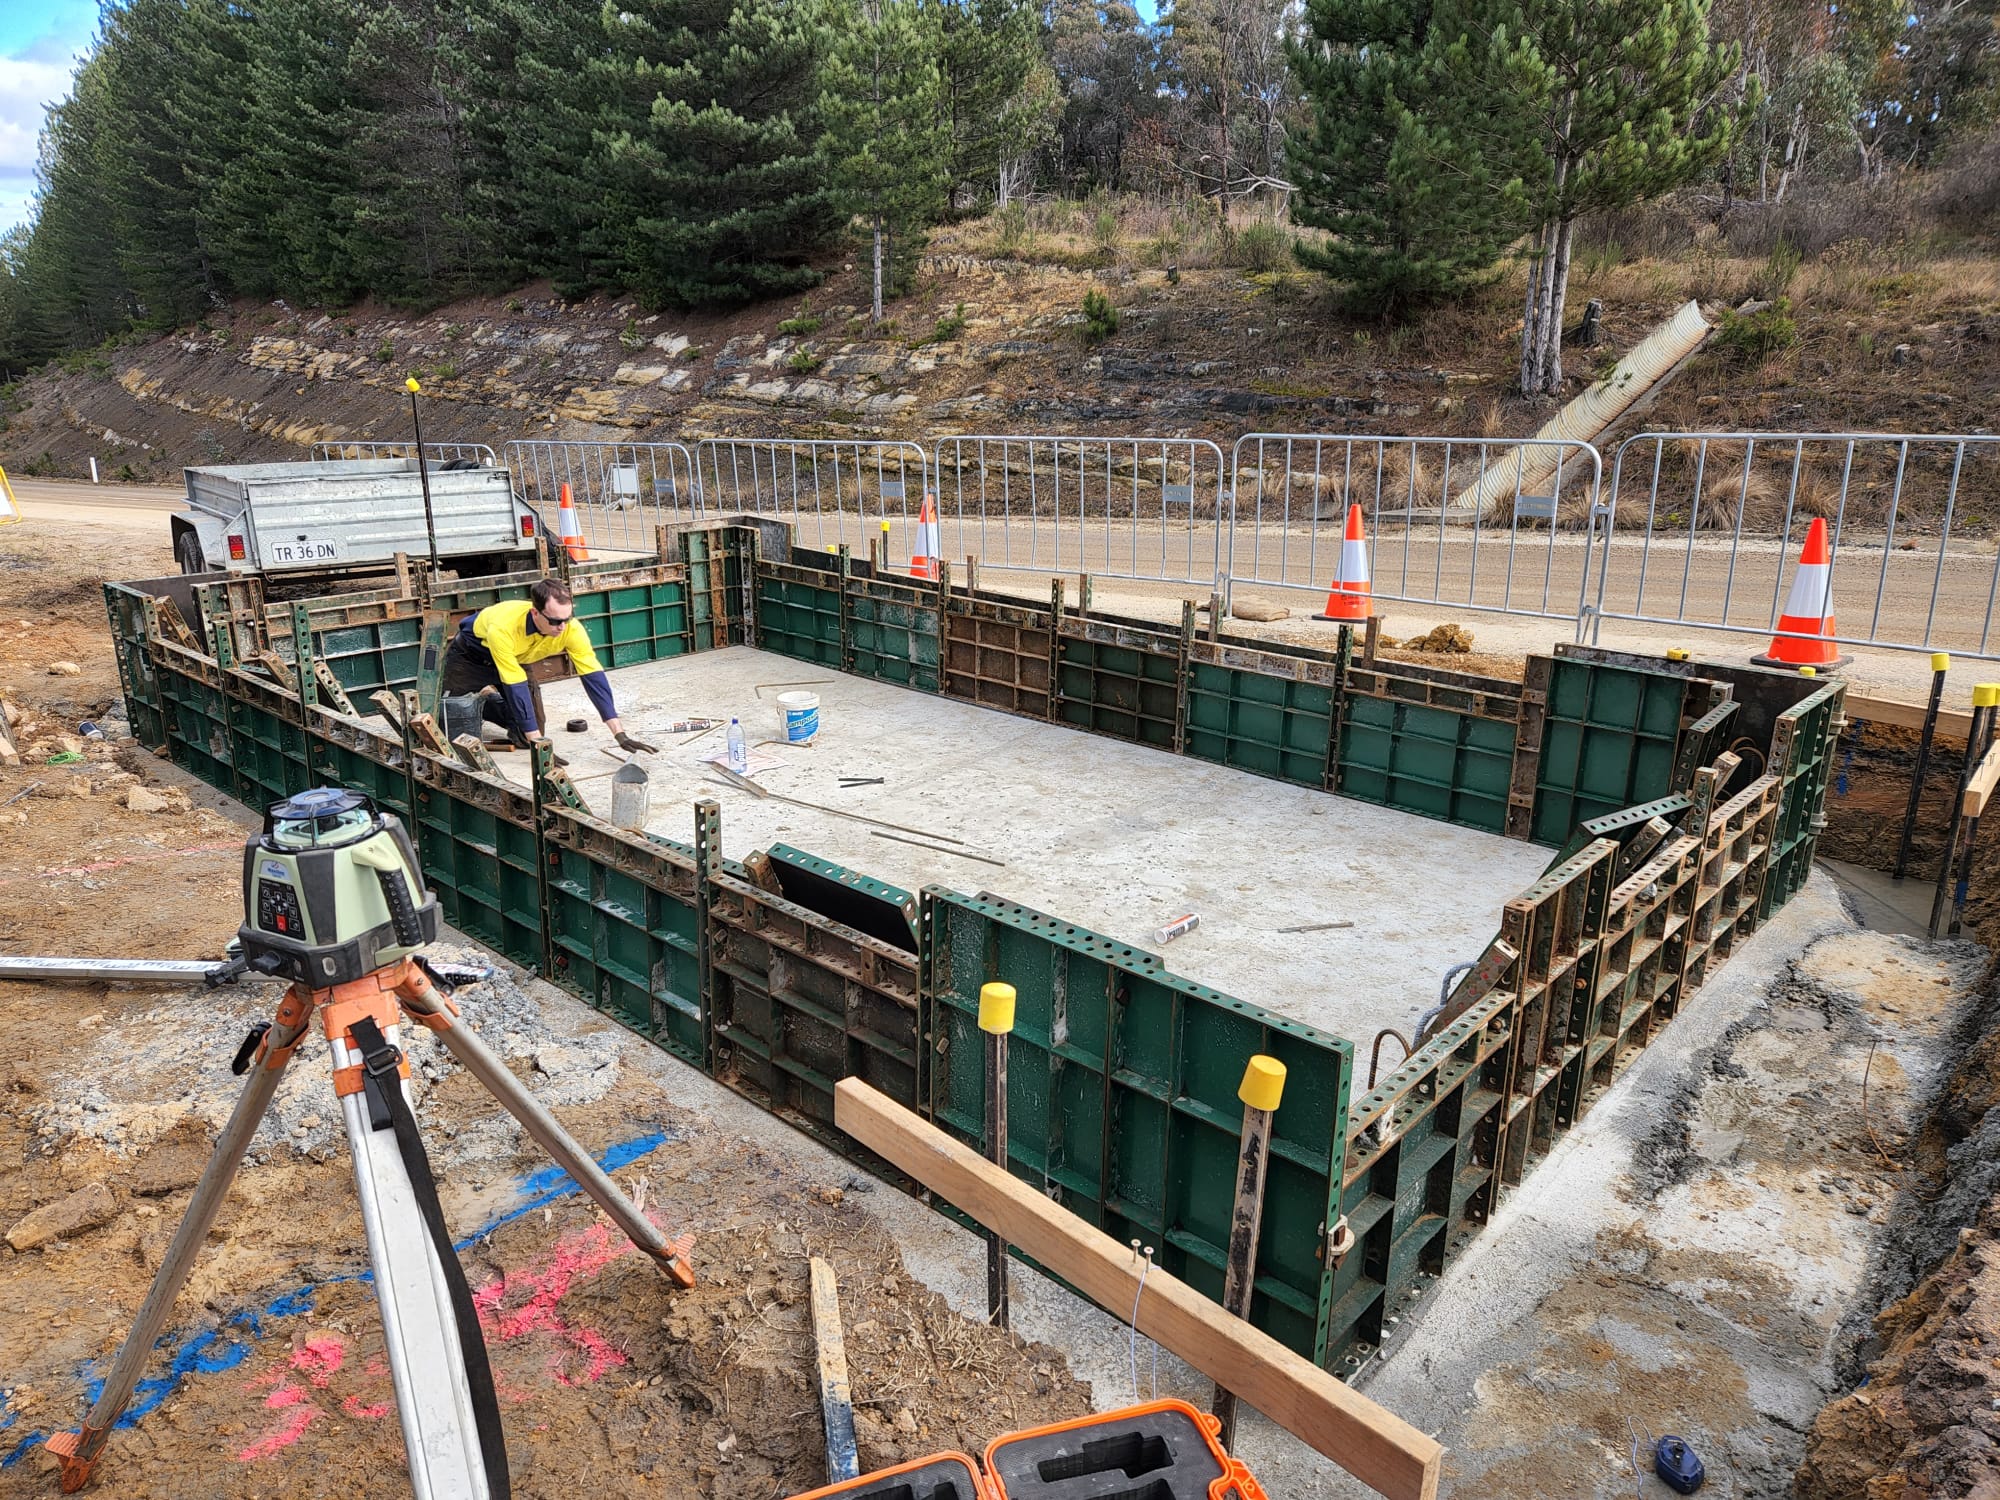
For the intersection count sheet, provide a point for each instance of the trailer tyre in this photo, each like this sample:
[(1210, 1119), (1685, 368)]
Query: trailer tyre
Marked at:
[(187, 551)]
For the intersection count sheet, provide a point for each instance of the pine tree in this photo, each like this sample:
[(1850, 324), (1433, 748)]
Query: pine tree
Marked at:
[(1421, 197), (289, 195), (1624, 99), (888, 145), (153, 176), (716, 191), (536, 76), (76, 292), (998, 97)]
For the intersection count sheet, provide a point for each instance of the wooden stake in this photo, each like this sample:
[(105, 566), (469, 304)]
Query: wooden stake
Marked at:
[(996, 1019), (836, 1397), (1375, 1445), (1262, 1087)]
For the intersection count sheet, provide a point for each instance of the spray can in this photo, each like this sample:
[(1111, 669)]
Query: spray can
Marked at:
[(739, 752), (1179, 927), (688, 726)]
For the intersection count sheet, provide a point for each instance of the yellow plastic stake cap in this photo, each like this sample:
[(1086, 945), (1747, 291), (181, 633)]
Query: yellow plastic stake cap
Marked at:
[(411, 385), (1263, 1083), (1808, 671), (1986, 695), (1940, 661), (885, 524), (1678, 653), (996, 1008)]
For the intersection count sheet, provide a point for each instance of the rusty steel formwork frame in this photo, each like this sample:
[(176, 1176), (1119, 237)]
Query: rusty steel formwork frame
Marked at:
[(782, 973)]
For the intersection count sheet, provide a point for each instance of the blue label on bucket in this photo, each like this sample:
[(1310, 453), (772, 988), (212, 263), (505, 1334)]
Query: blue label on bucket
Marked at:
[(801, 723)]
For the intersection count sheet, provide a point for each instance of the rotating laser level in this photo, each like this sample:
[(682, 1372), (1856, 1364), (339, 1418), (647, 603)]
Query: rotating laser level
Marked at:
[(334, 900), (331, 891)]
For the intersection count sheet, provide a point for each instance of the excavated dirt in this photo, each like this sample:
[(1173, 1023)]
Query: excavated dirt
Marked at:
[(272, 1379)]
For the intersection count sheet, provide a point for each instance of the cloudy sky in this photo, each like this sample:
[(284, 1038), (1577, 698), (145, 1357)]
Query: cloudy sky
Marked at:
[(39, 43)]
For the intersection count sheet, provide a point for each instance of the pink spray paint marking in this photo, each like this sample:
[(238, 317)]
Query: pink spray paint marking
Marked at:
[(319, 1360), (511, 1307), (520, 1303)]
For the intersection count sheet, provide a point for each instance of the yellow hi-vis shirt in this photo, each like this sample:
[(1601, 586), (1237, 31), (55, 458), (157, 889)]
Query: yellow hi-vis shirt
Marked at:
[(503, 632)]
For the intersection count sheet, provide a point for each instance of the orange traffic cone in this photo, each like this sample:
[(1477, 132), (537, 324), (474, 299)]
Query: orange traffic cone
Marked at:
[(568, 528), (925, 561), (1808, 615), (1349, 599)]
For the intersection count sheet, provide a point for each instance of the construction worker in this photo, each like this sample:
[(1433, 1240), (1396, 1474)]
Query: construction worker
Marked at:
[(492, 649)]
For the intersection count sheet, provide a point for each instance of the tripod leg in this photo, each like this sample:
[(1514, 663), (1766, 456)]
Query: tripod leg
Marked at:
[(425, 1006), (78, 1451)]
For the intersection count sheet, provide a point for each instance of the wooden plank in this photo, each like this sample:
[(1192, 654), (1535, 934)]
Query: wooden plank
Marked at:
[(836, 1399), (1376, 1446), (1951, 722), (1980, 787)]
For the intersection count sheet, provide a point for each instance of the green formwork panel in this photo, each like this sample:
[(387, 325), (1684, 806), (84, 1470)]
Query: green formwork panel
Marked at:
[(891, 638), (333, 764), (630, 949), (197, 729), (1427, 760), (1608, 742), (1274, 726), (645, 622), (1806, 733), (367, 658), (714, 571), (483, 869), (1122, 1099), (800, 619), (1123, 691), (137, 676), (269, 754)]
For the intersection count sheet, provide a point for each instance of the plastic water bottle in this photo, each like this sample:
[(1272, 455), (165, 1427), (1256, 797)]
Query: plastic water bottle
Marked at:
[(739, 752)]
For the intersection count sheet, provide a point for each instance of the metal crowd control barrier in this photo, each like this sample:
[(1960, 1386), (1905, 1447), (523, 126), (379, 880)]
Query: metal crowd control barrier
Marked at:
[(437, 453), (1117, 507), (1704, 529), (830, 490), (1476, 523), (622, 491)]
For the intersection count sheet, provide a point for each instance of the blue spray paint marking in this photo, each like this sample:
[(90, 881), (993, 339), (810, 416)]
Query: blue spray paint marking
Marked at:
[(208, 1353)]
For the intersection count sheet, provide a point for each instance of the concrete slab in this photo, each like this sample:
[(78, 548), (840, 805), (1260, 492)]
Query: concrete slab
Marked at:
[(1115, 837)]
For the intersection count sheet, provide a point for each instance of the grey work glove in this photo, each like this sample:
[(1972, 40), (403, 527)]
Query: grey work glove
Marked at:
[(635, 745)]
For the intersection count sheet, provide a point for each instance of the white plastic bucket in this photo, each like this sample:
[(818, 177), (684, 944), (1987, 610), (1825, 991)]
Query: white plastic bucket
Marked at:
[(800, 712)]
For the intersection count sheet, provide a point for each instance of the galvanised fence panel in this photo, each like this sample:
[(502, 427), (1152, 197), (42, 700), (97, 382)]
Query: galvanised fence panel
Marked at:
[(832, 492), (1122, 1099), (1118, 507), (622, 492), (1705, 529), (434, 453), (1471, 523)]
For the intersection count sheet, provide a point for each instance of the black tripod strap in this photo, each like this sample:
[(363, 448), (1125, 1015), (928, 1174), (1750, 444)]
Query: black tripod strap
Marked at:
[(382, 1079)]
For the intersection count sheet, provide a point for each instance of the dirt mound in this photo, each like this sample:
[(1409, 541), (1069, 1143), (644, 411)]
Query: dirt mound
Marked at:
[(1442, 640)]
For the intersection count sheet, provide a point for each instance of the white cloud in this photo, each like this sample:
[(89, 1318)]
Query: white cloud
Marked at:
[(27, 89)]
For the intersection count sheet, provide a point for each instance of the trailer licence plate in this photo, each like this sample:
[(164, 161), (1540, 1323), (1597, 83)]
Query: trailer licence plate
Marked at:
[(304, 550)]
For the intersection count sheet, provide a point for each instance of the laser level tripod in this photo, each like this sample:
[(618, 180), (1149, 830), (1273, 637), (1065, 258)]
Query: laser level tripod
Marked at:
[(348, 942)]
